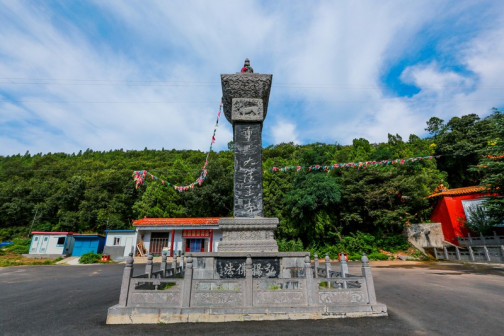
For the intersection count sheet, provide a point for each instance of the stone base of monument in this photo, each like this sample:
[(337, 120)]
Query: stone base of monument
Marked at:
[(237, 286), (121, 315), (248, 234)]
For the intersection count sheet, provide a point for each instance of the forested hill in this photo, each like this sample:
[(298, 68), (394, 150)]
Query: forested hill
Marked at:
[(93, 191)]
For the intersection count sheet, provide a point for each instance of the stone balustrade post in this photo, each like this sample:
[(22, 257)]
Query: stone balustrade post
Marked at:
[(327, 265), (128, 271), (482, 239), (316, 264), (328, 269), (502, 253), (163, 264), (344, 265), (188, 275), (249, 283), (310, 284), (366, 273), (435, 253), (471, 253), (343, 268), (457, 252), (148, 266), (470, 238), (174, 264), (487, 254), (446, 256)]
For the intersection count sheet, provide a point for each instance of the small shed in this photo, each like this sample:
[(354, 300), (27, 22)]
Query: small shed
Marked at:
[(51, 244), (85, 243), (119, 243)]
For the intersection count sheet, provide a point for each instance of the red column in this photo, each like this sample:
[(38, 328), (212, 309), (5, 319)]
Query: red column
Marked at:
[(211, 241), (171, 245)]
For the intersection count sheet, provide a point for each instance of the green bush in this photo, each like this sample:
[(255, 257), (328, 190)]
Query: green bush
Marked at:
[(19, 246), (393, 243), (378, 256), (358, 242), (90, 258), (285, 245)]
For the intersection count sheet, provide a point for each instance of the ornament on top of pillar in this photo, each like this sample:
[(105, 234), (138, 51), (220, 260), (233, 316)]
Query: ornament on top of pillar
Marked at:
[(246, 67)]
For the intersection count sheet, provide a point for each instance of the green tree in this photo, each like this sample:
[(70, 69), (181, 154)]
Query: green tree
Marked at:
[(491, 166), (311, 205)]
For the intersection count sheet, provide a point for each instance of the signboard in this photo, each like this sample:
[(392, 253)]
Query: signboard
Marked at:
[(195, 233), (232, 268)]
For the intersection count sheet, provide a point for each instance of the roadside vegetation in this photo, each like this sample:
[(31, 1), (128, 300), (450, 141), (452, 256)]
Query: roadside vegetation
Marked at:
[(353, 210), (11, 255), (90, 258)]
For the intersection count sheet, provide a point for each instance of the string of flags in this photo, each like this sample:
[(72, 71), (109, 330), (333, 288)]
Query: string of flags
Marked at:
[(141, 175), (357, 165)]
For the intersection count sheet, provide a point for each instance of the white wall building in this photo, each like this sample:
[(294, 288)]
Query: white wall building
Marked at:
[(120, 243)]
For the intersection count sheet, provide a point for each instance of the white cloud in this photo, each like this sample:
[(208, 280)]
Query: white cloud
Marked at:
[(284, 131), (156, 82)]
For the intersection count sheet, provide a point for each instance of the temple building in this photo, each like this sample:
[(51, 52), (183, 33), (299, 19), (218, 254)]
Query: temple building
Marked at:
[(452, 207), (177, 235)]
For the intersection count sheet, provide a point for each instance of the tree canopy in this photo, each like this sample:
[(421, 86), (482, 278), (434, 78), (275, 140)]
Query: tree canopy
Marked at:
[(94, 191)]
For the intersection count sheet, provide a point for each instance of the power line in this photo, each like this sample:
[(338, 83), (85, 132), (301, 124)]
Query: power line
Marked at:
[(103, 82)]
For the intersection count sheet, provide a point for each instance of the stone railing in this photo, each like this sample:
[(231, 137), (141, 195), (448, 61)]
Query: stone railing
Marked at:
[(165, 288), (471, 253), (481, 240)]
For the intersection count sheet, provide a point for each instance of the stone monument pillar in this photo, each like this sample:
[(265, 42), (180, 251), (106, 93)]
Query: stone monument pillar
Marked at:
[(245, 97)]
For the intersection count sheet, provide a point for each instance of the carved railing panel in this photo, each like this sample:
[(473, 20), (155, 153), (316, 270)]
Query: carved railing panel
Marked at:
[(337, 291), (218, 293), (145, 292), (280, 292)]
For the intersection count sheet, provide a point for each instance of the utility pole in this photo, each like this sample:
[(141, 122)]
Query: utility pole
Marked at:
[(33, 221)]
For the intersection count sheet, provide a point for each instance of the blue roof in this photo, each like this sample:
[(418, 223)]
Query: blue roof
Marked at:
[(78, 236)]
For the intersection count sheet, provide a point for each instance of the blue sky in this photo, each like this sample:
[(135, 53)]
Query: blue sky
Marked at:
[(134, 74)]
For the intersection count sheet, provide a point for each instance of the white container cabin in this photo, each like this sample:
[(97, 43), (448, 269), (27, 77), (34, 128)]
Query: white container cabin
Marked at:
[(51, 244)]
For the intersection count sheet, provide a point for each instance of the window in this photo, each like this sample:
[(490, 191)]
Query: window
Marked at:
[(61, 241), (117, 241)]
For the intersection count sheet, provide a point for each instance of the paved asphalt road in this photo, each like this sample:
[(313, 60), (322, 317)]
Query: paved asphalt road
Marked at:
[(425, 299)]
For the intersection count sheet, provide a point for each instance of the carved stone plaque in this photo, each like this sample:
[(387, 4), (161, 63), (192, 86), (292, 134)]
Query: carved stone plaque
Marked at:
[(233, 268), (247, 109)]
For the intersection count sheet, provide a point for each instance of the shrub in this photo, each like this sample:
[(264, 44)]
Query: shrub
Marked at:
[(393, 243), (19, 246), (358, 242), (285, 245), (89, 258), (378, 256)]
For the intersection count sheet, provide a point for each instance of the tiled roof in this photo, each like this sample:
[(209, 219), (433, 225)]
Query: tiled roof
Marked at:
[(459, 191), (177, 221)]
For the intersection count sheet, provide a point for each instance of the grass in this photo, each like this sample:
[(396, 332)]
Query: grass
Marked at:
[(10, 259)]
